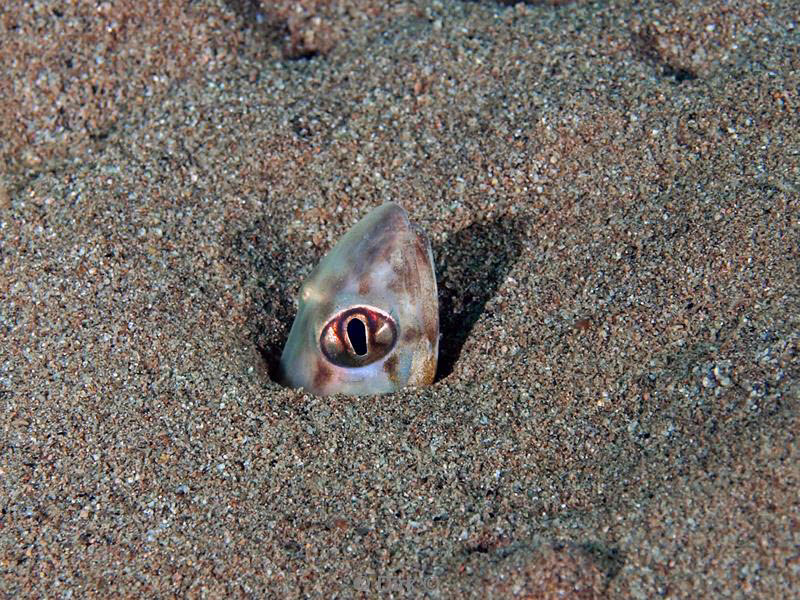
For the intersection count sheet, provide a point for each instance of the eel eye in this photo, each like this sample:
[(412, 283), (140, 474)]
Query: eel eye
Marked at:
[(358, 336)]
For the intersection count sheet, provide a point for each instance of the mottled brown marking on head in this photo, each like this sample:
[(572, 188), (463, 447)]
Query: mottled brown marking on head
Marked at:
[(393, 219), (386, 252), (323, 373), (406, 278), (390, 366), (431, 326), (373, 252), (363, 284), (382, 233), (423, 284), (421, 248), (428, 371), (397, 282), (410, 334)]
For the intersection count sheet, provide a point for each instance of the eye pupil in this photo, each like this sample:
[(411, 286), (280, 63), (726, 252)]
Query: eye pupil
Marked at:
[(358, 336)]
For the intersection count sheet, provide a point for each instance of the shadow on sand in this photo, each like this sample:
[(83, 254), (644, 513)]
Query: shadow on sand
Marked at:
[(270, 263), (470, 267)]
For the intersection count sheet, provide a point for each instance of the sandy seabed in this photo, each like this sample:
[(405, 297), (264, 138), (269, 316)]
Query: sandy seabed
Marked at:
[(612, 190)]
